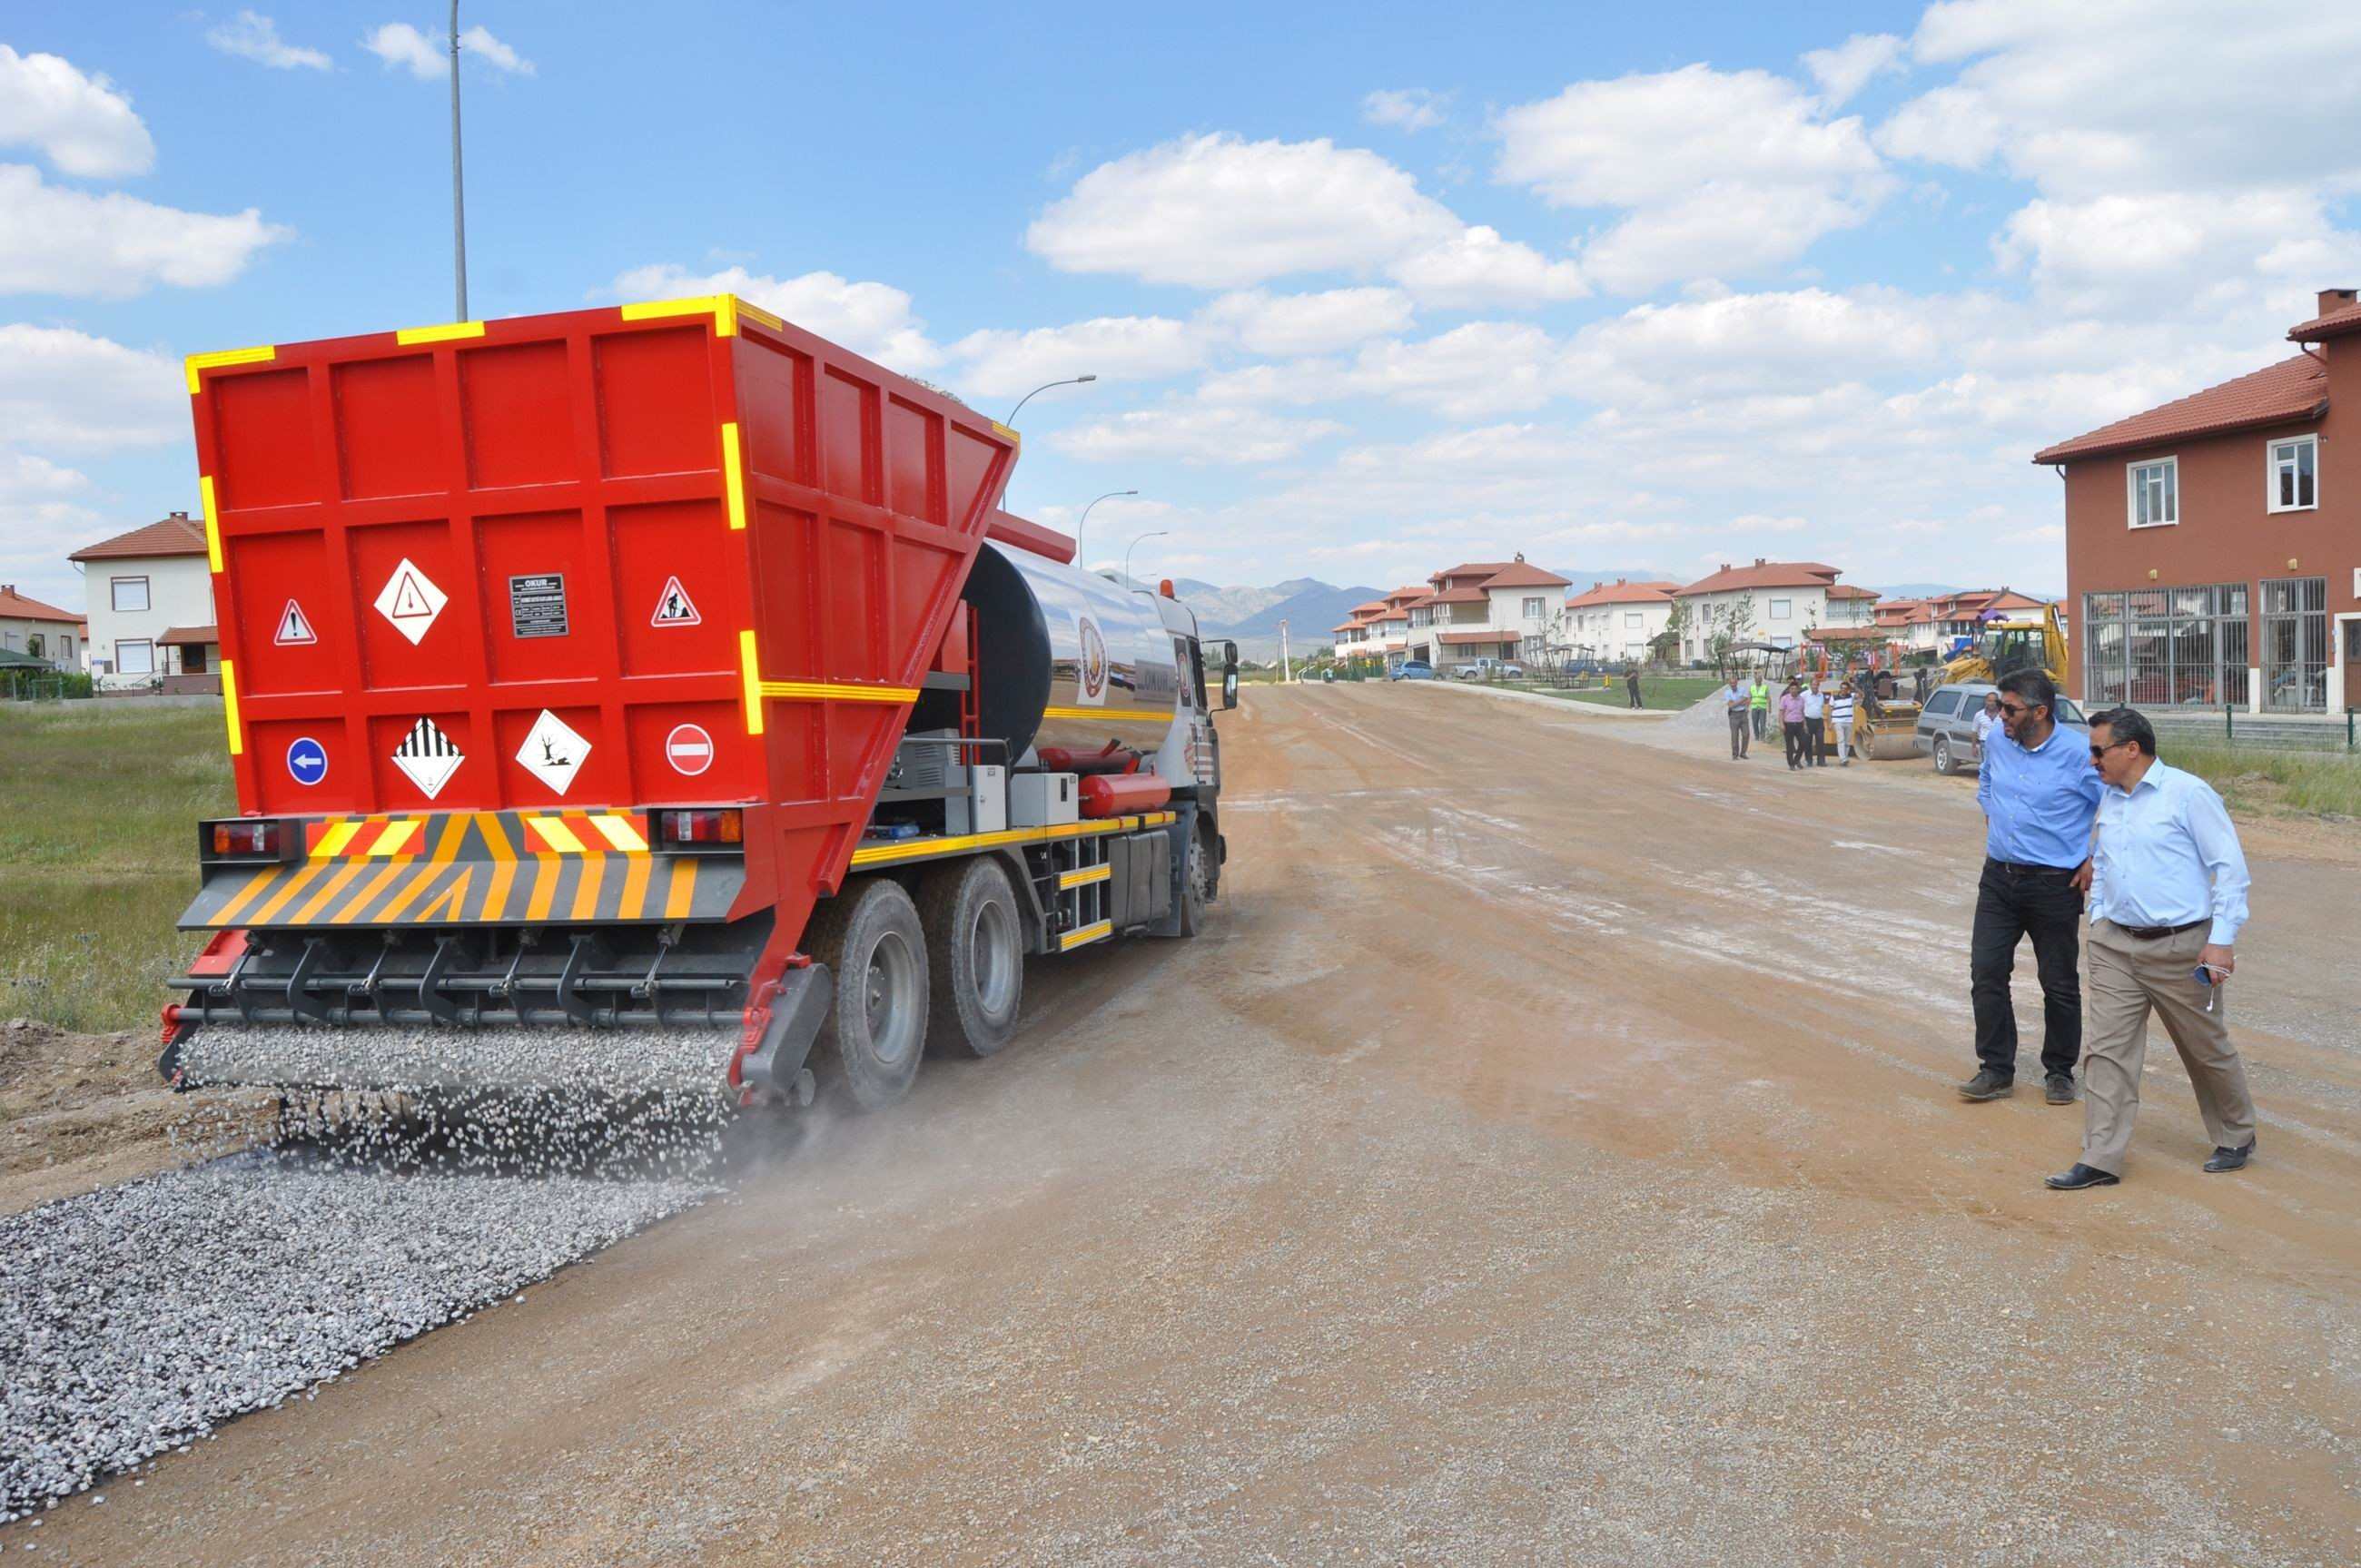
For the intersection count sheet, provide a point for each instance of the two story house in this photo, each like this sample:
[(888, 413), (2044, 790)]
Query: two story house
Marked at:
[(151, 608), (39, 630), (2213, 556), (1617, 620)]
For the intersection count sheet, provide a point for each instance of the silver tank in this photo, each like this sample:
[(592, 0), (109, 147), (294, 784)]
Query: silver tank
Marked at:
[(1067, 658)]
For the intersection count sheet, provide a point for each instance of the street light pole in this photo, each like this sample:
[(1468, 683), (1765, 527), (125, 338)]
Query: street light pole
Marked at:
[(458, 183), (1080, 564), (1286, 669), (1011, 419), (1158, 534)]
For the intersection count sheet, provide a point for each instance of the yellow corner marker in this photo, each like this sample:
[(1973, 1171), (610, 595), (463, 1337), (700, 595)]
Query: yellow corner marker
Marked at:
[(753, 680), (443, 333), (213, 523), (229, 707), (760, 314), (722, 307), (733, 481), (198, 362)]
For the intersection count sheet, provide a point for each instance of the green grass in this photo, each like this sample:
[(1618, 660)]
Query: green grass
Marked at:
[(1655, 691), (98, 807), (2256, 781)]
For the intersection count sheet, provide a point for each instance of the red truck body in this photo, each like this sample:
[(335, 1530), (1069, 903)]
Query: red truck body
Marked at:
[(589, 563)]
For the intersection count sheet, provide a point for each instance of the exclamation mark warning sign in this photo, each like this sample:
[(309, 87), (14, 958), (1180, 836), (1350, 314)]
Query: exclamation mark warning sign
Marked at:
[(673, 607), (294, 627)]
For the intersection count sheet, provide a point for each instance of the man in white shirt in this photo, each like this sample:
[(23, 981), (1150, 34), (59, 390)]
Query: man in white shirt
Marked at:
[(1815, 740), (1840, 715), (1987, 717), (2167, 899), (1734, 700)]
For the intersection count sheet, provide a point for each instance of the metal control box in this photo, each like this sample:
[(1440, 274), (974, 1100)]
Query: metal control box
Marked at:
[(984, 809), (1042, 800)]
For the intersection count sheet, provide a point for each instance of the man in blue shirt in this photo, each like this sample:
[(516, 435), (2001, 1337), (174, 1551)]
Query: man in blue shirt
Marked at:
[(2038, 795), (2168, 898)]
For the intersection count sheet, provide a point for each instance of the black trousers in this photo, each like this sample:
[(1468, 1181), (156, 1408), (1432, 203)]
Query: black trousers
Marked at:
[(2012, 903), (1794, 729)]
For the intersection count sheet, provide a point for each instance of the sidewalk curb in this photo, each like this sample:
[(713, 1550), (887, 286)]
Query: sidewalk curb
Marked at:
[(1560, 704)]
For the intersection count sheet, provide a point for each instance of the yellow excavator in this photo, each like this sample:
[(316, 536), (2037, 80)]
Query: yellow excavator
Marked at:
[(2004, 646)]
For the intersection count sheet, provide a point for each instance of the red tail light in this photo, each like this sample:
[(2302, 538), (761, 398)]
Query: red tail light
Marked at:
[(250, 836), (710, 825)]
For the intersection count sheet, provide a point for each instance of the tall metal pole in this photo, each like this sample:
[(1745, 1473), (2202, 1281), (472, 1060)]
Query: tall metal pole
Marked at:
[(459, 181), (1158, 534), (1079, 565), (1286, 669)]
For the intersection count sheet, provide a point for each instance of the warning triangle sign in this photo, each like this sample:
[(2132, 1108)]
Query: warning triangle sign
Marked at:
[(674, 608), (409, 599), (294, 627)]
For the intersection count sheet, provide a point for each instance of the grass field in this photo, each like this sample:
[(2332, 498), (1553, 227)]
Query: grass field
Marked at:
[(1655, 691), (98, 855), (2257, 780)]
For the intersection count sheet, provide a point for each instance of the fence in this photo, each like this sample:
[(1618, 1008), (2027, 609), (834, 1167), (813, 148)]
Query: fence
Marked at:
[(2238, 728)]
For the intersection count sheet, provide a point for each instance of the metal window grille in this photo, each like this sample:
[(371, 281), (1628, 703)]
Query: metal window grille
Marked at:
[(2295, 644), (2183, 647)]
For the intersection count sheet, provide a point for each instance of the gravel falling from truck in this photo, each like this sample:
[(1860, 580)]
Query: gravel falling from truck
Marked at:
[(137, 1317)]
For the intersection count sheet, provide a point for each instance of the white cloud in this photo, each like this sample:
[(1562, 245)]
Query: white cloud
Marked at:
[(1719, 171), (1743, 343), (255, 37), (57, 241), (80, 123), (996, 363), (1410, 109), (1289, 324), (1484, 368), (1197, 436), (1845, 70), (872, 319), (1214, 212), (63, 389), (400, 45), (2213, 252)]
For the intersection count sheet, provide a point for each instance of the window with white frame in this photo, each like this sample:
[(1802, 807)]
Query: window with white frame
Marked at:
[(2295, 474), (1535, 608), (2154, 493), (135, 658), (1782, 610), (127, 594), (1634, 620)]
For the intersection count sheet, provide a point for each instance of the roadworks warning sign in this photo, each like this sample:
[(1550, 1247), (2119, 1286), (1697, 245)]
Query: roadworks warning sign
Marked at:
[(673, 607)]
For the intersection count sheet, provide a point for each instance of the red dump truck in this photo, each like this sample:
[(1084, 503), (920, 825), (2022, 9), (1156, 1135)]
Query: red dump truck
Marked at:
[(647, 696)]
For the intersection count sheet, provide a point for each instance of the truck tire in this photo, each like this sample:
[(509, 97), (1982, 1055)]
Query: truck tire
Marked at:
[(1196, 885), (870, 938), (975, 955)]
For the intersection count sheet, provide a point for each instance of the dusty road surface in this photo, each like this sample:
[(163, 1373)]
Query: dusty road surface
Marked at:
[(1548, 1157)]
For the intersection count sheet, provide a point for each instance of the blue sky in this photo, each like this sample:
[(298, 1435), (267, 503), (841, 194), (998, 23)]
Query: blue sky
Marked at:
[(1370, 288)]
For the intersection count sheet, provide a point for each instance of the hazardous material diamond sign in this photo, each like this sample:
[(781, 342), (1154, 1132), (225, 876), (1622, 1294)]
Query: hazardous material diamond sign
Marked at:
[(428, 757), (673, 606), (295, 627), (410, 600), (553, 752)]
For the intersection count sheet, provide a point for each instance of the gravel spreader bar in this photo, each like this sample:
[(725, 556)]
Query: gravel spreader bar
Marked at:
[(136, 1317)]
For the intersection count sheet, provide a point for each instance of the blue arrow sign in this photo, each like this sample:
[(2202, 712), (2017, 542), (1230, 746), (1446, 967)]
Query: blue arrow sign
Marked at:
[(307, 761)]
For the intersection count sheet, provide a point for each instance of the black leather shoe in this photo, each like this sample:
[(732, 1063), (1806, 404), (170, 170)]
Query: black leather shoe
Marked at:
[(2079, 1177), (2231, 1160), (1988, 1085), (2058, 1088)]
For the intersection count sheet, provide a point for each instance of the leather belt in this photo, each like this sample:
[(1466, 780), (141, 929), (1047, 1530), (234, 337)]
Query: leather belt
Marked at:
[(2024, 868), (2158, 933)]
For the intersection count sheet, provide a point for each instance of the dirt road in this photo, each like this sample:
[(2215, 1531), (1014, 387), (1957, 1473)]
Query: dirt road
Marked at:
[(1549, 1155)]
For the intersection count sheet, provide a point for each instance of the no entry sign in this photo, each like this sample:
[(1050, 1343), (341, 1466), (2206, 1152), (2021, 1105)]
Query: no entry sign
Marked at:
[(689, 749)]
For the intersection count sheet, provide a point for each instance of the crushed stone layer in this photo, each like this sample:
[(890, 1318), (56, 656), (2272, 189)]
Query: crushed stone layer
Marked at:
[(615, 1061), (136, 1317)]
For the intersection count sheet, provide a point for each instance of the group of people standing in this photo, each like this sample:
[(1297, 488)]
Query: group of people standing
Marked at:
[(1805, 715), (2151, 851)]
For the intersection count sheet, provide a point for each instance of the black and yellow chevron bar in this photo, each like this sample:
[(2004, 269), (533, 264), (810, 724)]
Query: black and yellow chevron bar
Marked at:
[(473, 868)]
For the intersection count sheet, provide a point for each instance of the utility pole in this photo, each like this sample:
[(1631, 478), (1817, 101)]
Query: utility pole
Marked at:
[(458, 182), (1286, 671)]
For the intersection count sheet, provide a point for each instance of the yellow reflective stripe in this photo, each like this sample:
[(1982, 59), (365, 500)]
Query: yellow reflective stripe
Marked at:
[(1084, 877), (244, 895), (443, 333), (446, 845), (683, 892), (1087, 933), (395, 836), (555, 834), (504, 865), (332, 843), (734, 482), (919, 848), (195, 363), (451, 904), (212, 523), (754, 682), (619, 832), (759, 313), (831, 691), (586, 887), (230, 706), (1008, 434), (722, 307), (287, 891), (1156, 715)]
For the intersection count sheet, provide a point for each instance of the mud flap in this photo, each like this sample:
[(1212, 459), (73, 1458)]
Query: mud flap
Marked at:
[(798, 1012), (1181, 826)]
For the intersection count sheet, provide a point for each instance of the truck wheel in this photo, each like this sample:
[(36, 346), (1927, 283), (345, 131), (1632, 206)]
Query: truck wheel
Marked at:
[(1195, 883), (1942, 753), (975, 955), (869, 936)]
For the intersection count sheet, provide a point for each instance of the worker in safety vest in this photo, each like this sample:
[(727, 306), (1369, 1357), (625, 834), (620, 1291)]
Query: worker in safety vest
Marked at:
[(1759, 702)]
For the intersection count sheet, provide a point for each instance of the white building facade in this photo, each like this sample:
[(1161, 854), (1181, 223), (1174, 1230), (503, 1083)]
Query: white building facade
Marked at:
[(1618, 620), (151, 608), (40, 630), (1778, 602)]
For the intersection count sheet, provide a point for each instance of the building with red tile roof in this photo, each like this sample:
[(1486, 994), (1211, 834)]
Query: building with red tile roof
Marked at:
[(1768, 601), (1496, 609), (40, 631), (2213, 543), (1620, 619), (145, 587)]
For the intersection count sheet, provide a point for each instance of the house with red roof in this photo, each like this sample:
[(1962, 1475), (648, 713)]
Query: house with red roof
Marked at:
[(151, 608), (40, 630), (1484, 609), (1617, 620), (2213, 556), (1779, 602)]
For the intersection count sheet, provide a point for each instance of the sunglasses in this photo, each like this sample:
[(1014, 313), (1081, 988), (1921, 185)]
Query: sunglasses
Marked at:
[(2017, 710), (2098, 751)]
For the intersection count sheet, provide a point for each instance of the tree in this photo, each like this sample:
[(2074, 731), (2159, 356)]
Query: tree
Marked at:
[(1726, 625)]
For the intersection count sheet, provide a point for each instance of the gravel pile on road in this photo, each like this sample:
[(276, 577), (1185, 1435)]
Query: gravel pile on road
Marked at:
[(133, 1318), (1709, 712), (619, 1061)]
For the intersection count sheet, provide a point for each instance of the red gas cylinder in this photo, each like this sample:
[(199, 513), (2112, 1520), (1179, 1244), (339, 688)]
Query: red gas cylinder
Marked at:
[(1113, 760), (1117, 795)]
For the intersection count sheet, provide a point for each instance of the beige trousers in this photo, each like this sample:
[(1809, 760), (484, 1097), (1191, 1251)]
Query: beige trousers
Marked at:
[(2129, 978)]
